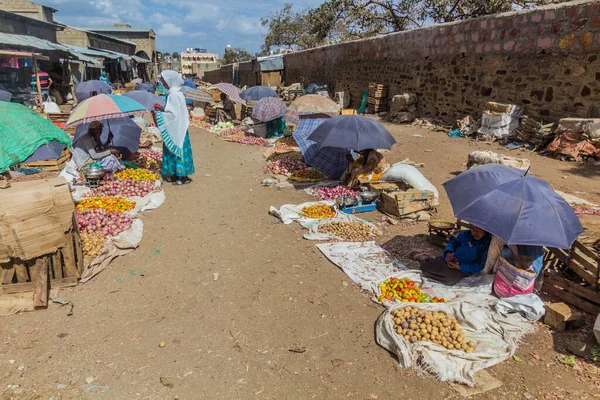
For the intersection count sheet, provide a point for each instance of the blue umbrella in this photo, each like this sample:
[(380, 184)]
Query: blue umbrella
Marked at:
[(146, 87), (257, 92), (353, 132), (189, 83), (126, 134), (49, 151), (87, 89), (5, 96), (148, 100), (331, 161), (514, 206)]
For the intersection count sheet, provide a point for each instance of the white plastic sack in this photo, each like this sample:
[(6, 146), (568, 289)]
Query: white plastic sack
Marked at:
[(70, 172), (289, 213), (499, 126), (530, 306), (496, 339), (597, 329), (51, 108), (407, 173)]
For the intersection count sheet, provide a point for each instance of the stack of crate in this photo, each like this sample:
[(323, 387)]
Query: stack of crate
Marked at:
[(378, 94), (247, 109)]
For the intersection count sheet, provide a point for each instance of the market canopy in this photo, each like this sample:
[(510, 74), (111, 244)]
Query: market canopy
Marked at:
[(314, 103), (22, 132)]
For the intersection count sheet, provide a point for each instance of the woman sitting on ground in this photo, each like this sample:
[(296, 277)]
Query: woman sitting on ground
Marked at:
[(465, 255), (89, 149), (368, 166)]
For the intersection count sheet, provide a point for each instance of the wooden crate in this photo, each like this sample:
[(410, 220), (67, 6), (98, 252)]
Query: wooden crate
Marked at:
[(581, 260), (579, 295), (395, 201), (50, 165), (348, 111)]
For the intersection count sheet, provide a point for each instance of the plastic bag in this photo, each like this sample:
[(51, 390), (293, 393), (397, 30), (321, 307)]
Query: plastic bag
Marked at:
[(409, 174), (529, 306)]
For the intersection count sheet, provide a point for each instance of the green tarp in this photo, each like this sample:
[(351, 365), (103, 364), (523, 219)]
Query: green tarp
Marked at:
[(22, 132)]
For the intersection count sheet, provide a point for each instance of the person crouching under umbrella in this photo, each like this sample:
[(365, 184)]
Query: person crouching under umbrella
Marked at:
[(465, 255), (89, 149), (370, 165)]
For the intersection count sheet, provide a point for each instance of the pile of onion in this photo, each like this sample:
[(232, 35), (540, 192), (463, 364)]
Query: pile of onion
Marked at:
[(332, 193), (127, 188), (103, 223)]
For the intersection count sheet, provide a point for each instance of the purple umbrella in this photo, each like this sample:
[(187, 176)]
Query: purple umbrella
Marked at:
[(126, 134), (258, 92), (49, 151), (353, 132), (514, 206), (145, 87), (268, 109), (146, 99), (87, 89)]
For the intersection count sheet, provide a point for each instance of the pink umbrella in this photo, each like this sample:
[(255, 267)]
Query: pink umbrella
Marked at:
[(231, 91)]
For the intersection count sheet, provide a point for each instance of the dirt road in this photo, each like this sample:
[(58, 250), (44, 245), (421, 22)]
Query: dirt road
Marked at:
[(231, 292)]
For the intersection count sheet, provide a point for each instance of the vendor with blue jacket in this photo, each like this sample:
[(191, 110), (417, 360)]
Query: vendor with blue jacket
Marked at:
[(465, 255)]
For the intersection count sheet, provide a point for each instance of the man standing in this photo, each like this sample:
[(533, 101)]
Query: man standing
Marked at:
[(45, 83)]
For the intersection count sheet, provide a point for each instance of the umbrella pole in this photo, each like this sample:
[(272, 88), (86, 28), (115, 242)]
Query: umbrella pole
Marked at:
[(526, 172), (108, 124)]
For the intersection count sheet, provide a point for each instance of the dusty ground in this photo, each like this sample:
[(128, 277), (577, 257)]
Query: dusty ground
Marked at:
[(229, 335)]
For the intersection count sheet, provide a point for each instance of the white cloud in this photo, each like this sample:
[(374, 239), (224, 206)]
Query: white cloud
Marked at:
[(170, 30), (198, 35)]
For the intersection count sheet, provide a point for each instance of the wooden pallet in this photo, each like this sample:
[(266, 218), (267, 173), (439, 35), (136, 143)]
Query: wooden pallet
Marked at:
[(582, 261), (573, 293), (50, 165)]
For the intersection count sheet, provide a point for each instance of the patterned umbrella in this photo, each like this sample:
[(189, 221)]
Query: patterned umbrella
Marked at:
[(331, 161), (231, 91), (198, 95), (104, 106), (268, 109), (87, 89)]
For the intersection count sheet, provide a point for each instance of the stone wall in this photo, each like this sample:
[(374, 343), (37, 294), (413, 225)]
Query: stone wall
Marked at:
[(224, 74), (546, 60), (246, 74), (24, 26), (74, 37)]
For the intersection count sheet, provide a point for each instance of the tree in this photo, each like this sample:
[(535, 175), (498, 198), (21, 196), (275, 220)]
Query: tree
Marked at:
[(175, 56), (236, 55), (335, 21)]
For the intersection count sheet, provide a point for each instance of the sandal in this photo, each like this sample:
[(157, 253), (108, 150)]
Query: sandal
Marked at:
[(168, 179), (419, 255), (180, 182)]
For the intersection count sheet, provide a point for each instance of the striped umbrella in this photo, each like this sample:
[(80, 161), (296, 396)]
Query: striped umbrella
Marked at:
[(268, 109), (198, 95), (104, 106), (231, 91)]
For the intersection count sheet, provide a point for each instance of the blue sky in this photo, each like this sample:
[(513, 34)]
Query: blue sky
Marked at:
[(210, 24)]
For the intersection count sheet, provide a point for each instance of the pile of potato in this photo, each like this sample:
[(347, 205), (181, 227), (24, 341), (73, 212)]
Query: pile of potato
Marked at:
[(415, 325), (348, 231)]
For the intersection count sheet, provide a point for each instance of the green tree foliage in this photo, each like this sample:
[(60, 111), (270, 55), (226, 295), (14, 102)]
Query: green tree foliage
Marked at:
[(335, 21), (236, 55)]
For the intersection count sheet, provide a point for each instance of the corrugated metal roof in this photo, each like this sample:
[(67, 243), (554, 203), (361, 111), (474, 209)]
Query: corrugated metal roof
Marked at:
[(30, 41), (113, 55), (138, 30), (89, 52), (140, 59)]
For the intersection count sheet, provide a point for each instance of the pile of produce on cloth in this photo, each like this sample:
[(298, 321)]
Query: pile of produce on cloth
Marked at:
[(286, 143), (404, 290), (221, 126), (200, 123), (285, 166), (143, 161), (125, 188), (92, 244), (231, 133), (119, 204), (137, 175), (415, 325), (349, 231), (308, 175), (251, 140), (318, 211), (332, 193), (286, 156)]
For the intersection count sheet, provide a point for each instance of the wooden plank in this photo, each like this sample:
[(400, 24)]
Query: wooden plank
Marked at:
[(30, 286), (57, 266), (8, 273), (68, 255), (583, 274), (77, 244), (21, 272), (32, 271), (40, 293), (585, 250), (584, 261), (573, 287), (572, 299)]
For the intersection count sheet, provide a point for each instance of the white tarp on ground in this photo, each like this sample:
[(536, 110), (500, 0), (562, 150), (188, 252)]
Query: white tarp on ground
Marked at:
[(470, 302), (288, 213)]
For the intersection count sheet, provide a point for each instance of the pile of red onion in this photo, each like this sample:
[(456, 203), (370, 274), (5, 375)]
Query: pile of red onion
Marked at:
[(103, 223), (285, 166), (126, 188), (153, 154), (252, 140), (332, 193)]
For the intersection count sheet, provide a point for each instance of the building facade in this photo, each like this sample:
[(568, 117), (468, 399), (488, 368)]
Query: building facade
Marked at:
[(144, 39), (195, 62), (29, 9), (88, 39)]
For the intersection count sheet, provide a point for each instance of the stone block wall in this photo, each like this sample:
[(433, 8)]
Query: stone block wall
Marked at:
[(547, 60), (246, 74), (224, 74)]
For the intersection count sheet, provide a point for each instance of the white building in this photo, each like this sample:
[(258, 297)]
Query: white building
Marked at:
[(195, 62)]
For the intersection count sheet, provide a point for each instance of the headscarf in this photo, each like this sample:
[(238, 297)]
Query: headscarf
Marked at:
[(173, 122)]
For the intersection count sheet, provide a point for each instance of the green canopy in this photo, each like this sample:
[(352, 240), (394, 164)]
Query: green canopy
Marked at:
[(22, 132)]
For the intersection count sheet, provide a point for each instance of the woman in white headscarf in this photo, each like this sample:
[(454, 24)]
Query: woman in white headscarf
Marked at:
[(173, 123)]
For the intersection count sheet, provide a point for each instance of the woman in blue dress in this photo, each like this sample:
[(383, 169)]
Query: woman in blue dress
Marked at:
[(173, 123)]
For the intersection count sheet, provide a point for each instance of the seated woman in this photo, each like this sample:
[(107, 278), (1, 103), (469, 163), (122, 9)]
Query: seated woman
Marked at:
[(227, 113), (368, 166), (465, 255), (88, 149)]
